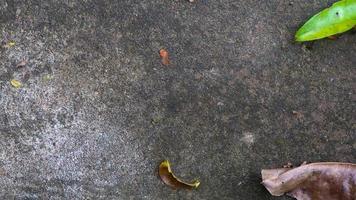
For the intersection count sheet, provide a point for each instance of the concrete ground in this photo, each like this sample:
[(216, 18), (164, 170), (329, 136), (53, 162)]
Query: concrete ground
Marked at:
[(97, 111)]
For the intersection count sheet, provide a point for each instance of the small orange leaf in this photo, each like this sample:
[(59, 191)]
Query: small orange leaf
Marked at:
[(171, 180), (164, 57)]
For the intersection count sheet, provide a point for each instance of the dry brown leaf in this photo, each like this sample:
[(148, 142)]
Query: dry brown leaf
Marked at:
[(315, 181), (164, 57), (171, 180)]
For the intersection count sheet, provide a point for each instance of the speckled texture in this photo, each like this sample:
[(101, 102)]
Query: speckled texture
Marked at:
[(98, 112)]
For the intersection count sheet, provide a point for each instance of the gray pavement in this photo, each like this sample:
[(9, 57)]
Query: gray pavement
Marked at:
[(97, 111)]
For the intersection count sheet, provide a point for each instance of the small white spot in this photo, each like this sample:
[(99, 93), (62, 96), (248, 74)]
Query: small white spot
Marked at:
[(248, 138)]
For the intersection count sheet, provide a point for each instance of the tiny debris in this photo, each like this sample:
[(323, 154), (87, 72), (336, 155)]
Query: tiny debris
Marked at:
[(220, 104), (9, 44), (288, 165), (2, 171), (21, 64), (307, 46), (156, 119), (191, 1), (333, 37), (15, 83), (297, 114), (171, 180), (164, 57), (47, 77)]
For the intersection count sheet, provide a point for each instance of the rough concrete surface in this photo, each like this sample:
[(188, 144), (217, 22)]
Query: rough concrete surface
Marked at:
[(97, 111)]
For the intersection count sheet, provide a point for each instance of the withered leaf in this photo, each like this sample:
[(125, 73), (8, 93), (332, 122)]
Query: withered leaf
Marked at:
[(315, 181), (167, 176)]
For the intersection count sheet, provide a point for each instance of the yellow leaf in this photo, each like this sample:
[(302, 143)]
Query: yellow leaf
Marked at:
[(15, 83), (10, 44)]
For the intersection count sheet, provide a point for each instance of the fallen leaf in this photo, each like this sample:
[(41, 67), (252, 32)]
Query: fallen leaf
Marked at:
[(15, 83), (164, 57), (171, 180), (9, 44), (315, 181)]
